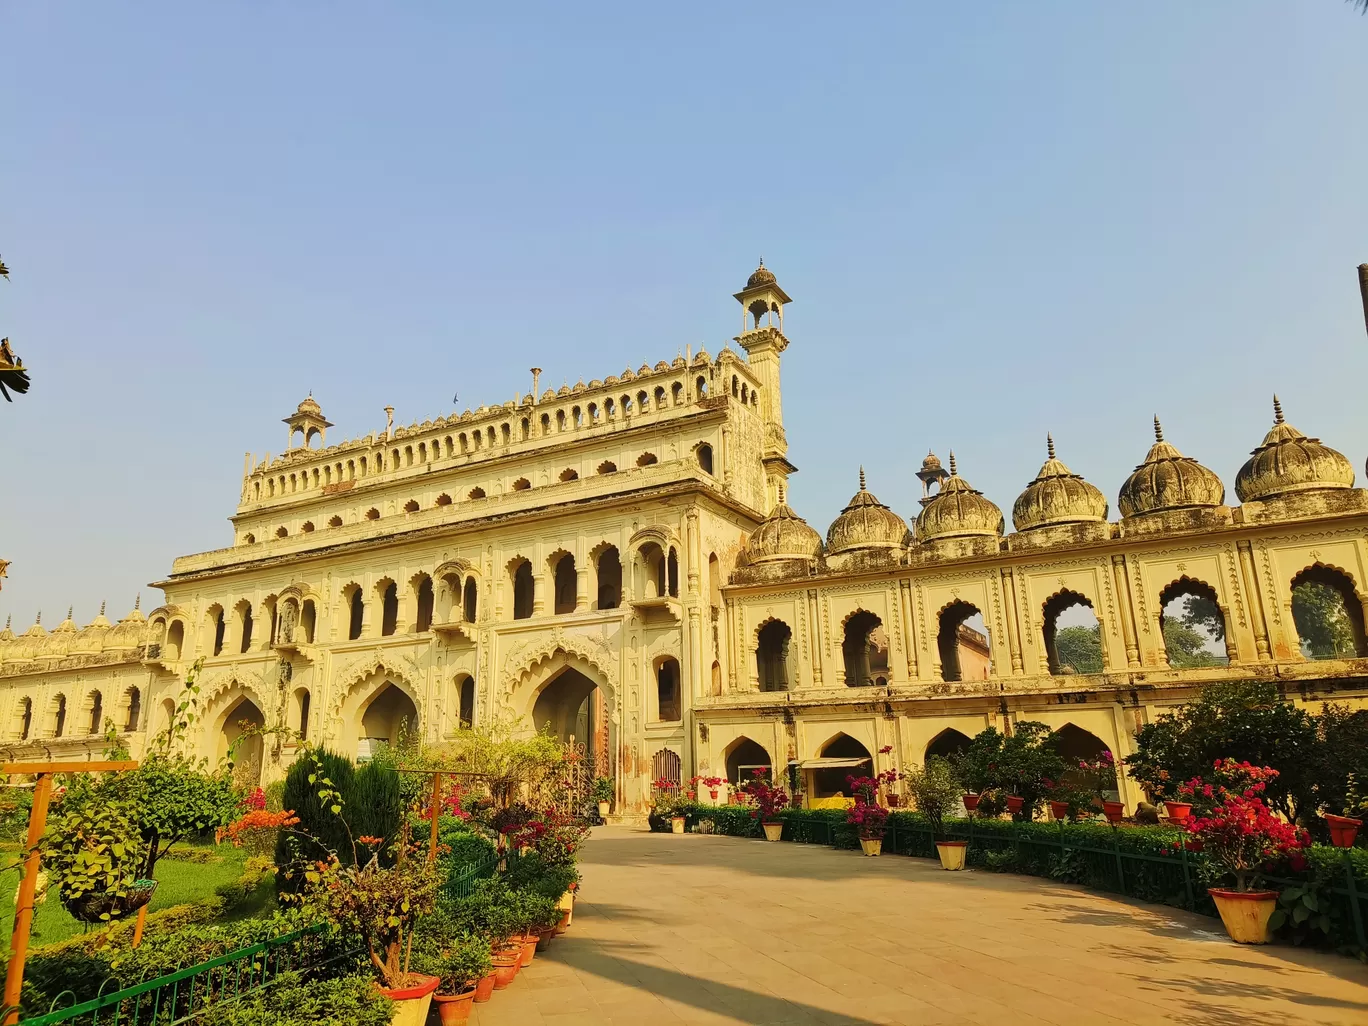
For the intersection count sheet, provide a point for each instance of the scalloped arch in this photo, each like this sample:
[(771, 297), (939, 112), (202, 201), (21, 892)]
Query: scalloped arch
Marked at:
[(525, 661)]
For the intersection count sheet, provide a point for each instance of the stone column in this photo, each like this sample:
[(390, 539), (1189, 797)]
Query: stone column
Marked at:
[(1123, 600), (581, 588), (1013, 627), (1255, 597)]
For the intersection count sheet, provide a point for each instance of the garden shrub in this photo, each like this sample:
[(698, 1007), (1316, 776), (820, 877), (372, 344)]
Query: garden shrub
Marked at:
[(464, 846), (294, 1000), (373, 802), (325, 829)]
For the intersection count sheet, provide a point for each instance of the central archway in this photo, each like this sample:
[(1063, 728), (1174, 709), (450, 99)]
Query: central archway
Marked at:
[(385, 719), (572, 706), (244, 716)]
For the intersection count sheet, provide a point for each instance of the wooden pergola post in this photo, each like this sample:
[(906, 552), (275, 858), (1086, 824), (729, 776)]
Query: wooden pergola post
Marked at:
[(435, 811), (23, 907)]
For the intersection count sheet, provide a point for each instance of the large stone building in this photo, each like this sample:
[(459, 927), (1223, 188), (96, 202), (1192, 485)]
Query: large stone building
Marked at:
[(617, 559)]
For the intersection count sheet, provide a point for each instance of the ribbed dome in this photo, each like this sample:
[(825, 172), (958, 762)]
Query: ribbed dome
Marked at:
[(865, 523), (1169, 480), (783, 535), (958, 509), (1057, 496), (1288, 461), (932, 461), (309, 406), (37, 631), (762, 275)]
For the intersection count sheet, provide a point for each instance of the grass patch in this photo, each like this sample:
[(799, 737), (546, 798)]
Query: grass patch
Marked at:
[(178, 883)]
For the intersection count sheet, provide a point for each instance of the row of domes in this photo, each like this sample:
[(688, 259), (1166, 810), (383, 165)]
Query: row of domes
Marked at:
[(67, 639), (1286, 462)]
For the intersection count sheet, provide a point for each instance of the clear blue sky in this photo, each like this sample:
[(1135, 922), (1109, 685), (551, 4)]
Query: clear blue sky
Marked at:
[(996, 219)]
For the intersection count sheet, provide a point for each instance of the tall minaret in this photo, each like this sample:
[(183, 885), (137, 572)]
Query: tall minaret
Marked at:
[(762, 300)]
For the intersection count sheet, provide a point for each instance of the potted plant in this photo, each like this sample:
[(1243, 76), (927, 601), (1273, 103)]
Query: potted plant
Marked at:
[(767, 800), (460, 962), (603, 794), (1177, 811), (713, 784), (869, 820), (1241, 836), (936, 792), (667, 803), (93, 852), (1344, 829)]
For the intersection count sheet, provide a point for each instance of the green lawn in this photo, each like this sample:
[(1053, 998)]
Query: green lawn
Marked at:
[(178, 883)]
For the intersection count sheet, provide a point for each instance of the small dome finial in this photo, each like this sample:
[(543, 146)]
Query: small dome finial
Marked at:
[(1158, 431), (137, 601), (39, 618), (862, 479), (762, 261), (1049, 445), (1277, 410), (69, 609), (953, 471), (8, 617), (781, 495), (102, 607)]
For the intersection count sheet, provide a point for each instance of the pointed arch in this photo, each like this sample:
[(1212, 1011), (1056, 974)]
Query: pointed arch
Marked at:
[(743, 756), (1192, 621), (1086, 657), (948, 743), (1328, 613)]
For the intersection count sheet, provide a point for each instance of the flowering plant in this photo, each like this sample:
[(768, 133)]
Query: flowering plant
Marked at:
[(667, 798), (769, 799), (1240, 833), (866, 789), (253, 800), (255, 819), (868, 819), (1095, 778)]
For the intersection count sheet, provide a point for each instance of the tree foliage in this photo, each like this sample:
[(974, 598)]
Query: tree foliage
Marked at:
[(1022, 764), (1323, 624), (1079, 648), (1186, 647), (936, 790), (321, 831)]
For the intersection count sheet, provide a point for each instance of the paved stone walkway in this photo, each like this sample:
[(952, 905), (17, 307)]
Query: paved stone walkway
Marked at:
[(719, 930)]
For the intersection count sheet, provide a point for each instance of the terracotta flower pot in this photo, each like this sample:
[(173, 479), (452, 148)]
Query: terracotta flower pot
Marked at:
[(507, 961), (454, 1009), (484, 990), (545, 937), (871, 845), (1014, 803), (773, 831), (1114, 811), (1178, 811), (1245, 913), (893, 800), (676, 824), (529, 949), (971, 802), (712, 792), (1059, 810), (1343, 830), (411, 1003), (951, 853)]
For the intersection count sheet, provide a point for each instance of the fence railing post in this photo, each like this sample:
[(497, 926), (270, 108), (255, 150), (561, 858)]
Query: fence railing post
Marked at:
[(1120, 865), (1187, 875)]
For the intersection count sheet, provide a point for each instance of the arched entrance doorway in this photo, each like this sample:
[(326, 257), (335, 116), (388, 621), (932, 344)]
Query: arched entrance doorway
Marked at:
[(244, 717), (744, 757), (571, 705), (385, 719), (839, 758)]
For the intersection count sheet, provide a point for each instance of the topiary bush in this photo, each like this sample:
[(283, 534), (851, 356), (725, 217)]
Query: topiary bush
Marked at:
[(325, 828), (374, 803)]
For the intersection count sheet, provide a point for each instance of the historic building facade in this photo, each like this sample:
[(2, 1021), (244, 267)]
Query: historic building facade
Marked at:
[(617, 559)]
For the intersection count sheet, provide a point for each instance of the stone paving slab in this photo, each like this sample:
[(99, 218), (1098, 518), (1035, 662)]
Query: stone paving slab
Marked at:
[(716, 930)]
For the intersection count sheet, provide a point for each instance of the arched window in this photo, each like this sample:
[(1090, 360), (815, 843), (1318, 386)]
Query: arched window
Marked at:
[(643, 401), (356, 614), (667, 691), (865, 650), (246, 627), (471, 600), (25, 719), (569, 474), (59, 716), (219, 626), (423, 621), (672, 569), (560, 420), (134, 697), (677, 392), (546, 423), (526, 429), (656, 582), (736, 387), (1073, 637), (335, 521), (745, 393), (175, 641), (96, 712), (372, 514), (577, 417), (444, 499), (593, 413), (301, 703), (476, 493), (772, 655), (609, 569), (666, 765), (646, 459), (743, 757), (701, 387), (705, 458), (465, 442), (389, 608), (1192, 625), (249, 539), (714, 581), (506, 433), (565, 579), (607, 467), (307, 527), (521, 484), (609, 408), (964, 649), (660, 397), (947, 744), (626, 403), (465, 698), (308, 620), (1328, 614), (411, 506), (522, 590), (282, 532)]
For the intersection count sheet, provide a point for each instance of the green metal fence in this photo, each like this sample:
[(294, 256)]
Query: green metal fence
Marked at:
[(180, 996)]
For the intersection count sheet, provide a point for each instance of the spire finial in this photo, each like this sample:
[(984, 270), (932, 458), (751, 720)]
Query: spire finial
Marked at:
[(781, 495), (1049, 444), (862, 481), (1158, 431), (762, 261), (8, 617), (1277, 410), (953, 471), (69, 609), (102, 605), (37, 620), (137, 601)]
